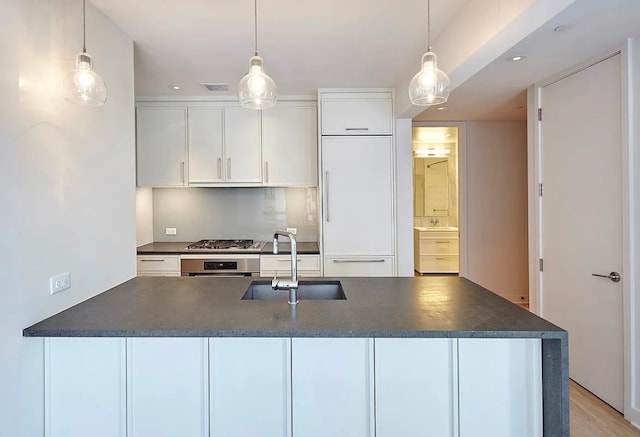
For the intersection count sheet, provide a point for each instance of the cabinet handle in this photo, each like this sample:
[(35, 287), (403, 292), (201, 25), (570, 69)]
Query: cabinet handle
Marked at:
[(228, 168), (326, 193), (219, 168), (443, 242), (341, 261), (440, 258), (266, 171), (356, 129), (151, 260), (182, 175), (286, 260)]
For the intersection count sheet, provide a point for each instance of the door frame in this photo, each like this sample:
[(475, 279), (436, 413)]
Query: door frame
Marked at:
[(462, 188), (631, 358)]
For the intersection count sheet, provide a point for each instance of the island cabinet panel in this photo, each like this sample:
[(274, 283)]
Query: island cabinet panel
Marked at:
[(332, 387), (416, 387), (161, 146), (500, 384), (250, 387), (290, 145), (85, 386), (167, 387)]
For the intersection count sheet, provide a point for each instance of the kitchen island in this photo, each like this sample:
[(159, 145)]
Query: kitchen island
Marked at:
[(429, 353)]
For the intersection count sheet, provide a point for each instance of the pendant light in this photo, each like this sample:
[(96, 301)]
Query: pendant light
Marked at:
[(430, 86), (257, 90), (83, 85)]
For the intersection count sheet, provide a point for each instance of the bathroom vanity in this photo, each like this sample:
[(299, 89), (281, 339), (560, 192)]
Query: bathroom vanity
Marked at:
[(436, 249)]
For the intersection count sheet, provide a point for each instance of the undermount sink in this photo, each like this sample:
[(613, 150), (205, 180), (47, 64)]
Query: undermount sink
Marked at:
[(307, 290)]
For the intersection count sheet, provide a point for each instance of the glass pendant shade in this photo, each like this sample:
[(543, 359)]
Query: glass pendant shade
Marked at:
[(431, 86), (83, 85), (257, 90)]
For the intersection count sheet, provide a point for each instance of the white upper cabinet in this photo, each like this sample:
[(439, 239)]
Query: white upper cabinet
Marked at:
[(224, 146), (242, 145), (161, 146), (290, 145), (357, 114), (206, 138)]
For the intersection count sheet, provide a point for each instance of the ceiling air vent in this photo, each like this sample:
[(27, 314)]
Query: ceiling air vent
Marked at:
[(216, 86)]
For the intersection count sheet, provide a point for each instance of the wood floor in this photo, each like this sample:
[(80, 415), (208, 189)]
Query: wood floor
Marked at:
[(591, 417)]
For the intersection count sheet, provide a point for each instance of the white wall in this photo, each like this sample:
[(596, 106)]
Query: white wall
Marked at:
[(68, 202), (496, 209), (144, 215)]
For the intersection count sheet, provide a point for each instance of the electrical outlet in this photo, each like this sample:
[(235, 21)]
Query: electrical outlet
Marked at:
[(170, 231), (294, 231), (59, 282)]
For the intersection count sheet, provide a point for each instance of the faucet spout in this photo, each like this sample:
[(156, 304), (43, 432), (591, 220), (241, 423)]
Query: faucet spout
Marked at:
[(292, 285)]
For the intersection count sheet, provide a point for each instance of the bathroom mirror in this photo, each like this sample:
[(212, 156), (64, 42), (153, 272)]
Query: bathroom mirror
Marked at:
[(430, 186)]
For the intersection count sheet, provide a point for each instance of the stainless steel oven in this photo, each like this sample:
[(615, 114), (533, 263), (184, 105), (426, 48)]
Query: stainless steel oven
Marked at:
[(220, 265)]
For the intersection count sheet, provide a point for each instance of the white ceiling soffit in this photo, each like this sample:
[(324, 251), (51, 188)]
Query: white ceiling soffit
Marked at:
[(311, 44), (498, 92)]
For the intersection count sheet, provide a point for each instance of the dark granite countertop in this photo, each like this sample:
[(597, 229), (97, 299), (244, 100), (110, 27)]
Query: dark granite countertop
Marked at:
[(180, 247), (375, 307)]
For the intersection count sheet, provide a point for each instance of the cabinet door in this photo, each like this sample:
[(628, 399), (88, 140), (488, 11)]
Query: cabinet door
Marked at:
[(290, 146), (242, 161), (358, 195), (359, 266), (250, 387), (158, 265), (357, 114), (167, 387), (332, 387), (85, 386), (416, 387), (205, 145), (161, 146), (500, 382)]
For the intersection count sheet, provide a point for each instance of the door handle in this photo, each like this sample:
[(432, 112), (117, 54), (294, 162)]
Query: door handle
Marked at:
[(326, 193), (614, 276)]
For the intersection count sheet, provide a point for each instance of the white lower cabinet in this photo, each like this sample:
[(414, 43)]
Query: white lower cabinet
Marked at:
[(416, 387), (85, 386), (332, 387), (292, 387), (158, 265), (167, 387), (280, 265), (250, 387), (500, 387), (359, 266)]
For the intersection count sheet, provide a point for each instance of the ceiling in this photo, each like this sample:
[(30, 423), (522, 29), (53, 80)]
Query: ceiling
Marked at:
[(311, 44)]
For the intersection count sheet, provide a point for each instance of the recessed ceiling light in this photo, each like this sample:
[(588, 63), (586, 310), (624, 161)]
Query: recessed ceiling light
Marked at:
[(175, 87), (516, 58), (440, 108), (563, 28)]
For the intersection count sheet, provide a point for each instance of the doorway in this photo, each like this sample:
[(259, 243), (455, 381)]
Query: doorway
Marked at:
[(436, 212)]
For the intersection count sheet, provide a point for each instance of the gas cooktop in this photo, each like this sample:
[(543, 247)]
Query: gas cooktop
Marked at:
[(227, 245)]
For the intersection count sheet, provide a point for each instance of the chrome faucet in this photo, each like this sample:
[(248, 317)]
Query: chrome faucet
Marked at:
[(292, 284)]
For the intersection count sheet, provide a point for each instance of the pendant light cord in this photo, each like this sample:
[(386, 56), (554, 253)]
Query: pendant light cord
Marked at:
[(84, 31), (255, 24), (429, 25)]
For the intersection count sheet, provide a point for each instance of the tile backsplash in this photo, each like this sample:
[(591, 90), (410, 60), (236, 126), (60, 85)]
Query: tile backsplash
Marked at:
[(255, 213)]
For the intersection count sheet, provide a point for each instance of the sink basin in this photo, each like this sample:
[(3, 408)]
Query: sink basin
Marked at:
[(307, 290)]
